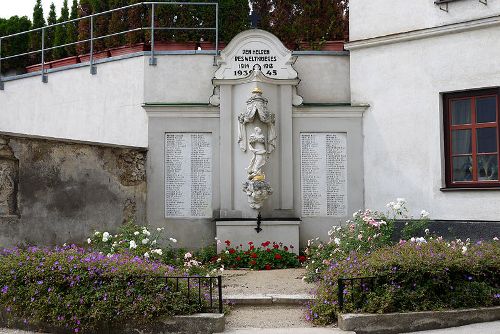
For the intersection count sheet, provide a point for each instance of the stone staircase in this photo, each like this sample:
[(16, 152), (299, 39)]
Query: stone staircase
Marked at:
[(266, 299)]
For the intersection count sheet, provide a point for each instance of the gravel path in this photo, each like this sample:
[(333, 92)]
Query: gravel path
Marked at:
[(248, 282)]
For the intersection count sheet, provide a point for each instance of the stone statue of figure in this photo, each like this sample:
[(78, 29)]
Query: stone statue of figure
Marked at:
[(257, 145)]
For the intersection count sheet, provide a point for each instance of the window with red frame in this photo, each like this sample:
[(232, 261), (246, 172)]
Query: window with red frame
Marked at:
[(472, 138)]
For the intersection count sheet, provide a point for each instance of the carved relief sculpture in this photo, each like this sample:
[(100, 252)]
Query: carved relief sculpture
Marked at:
[(7, 188), (256, 187)]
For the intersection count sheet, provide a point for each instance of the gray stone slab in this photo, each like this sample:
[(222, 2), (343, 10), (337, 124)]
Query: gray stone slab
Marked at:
[(415, 321)]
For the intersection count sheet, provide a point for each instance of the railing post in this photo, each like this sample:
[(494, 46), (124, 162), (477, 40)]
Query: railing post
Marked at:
[(45, 79), (340, 294), (219, 288), (1, 82), (216, 33), (152, 60), (93, 68)]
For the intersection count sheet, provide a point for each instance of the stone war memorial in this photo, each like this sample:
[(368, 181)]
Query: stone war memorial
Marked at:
[(265, 165), (322, 163)]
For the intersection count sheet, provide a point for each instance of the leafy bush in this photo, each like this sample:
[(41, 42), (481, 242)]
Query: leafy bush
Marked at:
[(366, 232), (265, 256), (79, 290), (418, 275)]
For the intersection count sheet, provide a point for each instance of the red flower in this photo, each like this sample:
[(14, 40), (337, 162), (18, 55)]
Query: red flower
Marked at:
[(252, 247), (253, 255), (285, 248), (265, 244), (291, 246), (238, 258), (214, 259), (250, 243), (277, 256), (232, 251), (302, 259), (267, 267), (228, 243), (253, 263), (268, 250), (276, 246)]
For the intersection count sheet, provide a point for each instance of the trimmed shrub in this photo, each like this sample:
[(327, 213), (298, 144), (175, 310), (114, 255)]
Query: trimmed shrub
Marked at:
[(72, 288), (419, 275)]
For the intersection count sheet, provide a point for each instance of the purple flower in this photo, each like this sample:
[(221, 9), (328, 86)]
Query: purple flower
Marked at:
[(5, 289)]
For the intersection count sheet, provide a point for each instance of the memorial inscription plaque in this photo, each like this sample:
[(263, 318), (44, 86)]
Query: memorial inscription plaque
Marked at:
[(188, 175), (324, 174)]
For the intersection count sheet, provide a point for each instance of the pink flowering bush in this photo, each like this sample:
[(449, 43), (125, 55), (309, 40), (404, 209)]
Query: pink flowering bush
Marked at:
[(365, 232), (416, 275), (79, 290)]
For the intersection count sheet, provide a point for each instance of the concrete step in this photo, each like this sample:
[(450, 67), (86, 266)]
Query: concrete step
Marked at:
[(268, 299), (267, 316), (286, 331)]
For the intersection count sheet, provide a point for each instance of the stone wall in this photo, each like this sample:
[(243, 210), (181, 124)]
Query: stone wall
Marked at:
[(54, 192)]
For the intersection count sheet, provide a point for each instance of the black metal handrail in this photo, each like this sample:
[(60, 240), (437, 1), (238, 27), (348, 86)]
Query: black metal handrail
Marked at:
[(200, 284)]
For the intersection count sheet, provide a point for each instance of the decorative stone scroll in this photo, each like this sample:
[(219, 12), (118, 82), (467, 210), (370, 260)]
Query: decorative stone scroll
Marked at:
[(8, 180)]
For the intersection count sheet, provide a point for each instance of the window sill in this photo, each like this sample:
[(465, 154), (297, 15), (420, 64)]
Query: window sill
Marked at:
[(497, 188)]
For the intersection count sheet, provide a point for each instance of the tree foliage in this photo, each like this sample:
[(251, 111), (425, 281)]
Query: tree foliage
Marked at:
[(36, 37), (299, 21), (72, 29), (50, 32), (14, 45), (61, 32), (84, 9)]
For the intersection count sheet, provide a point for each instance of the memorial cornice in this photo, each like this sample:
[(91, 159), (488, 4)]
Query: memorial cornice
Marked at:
[(180, 110), (329, 110), (447, 29)]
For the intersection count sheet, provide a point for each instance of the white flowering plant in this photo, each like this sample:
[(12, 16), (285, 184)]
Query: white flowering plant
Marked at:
[(367, 231), (135, 240)]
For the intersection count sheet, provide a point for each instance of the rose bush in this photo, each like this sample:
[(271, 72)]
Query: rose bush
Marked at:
[(417, 275)]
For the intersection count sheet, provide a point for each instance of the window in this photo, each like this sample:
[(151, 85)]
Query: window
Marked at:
[(472, 141)]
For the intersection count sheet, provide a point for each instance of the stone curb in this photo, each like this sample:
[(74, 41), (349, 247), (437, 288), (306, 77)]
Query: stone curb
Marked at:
[(199, 323), (415, 321), (268, 299)]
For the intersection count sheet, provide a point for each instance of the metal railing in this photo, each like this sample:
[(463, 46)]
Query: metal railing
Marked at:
[(203, 292), (152, 5)]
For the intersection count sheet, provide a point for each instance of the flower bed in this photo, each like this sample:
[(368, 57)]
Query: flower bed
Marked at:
[(80, 290), (266, 256), (367, 231), (418, 275)]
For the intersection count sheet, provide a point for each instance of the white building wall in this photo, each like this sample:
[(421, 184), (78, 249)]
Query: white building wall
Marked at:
[(103, 108), (107, 108), (372, 18), (403, 135)]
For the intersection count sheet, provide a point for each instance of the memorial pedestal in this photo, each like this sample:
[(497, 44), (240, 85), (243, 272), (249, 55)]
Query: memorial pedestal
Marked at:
[(242, 231)]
